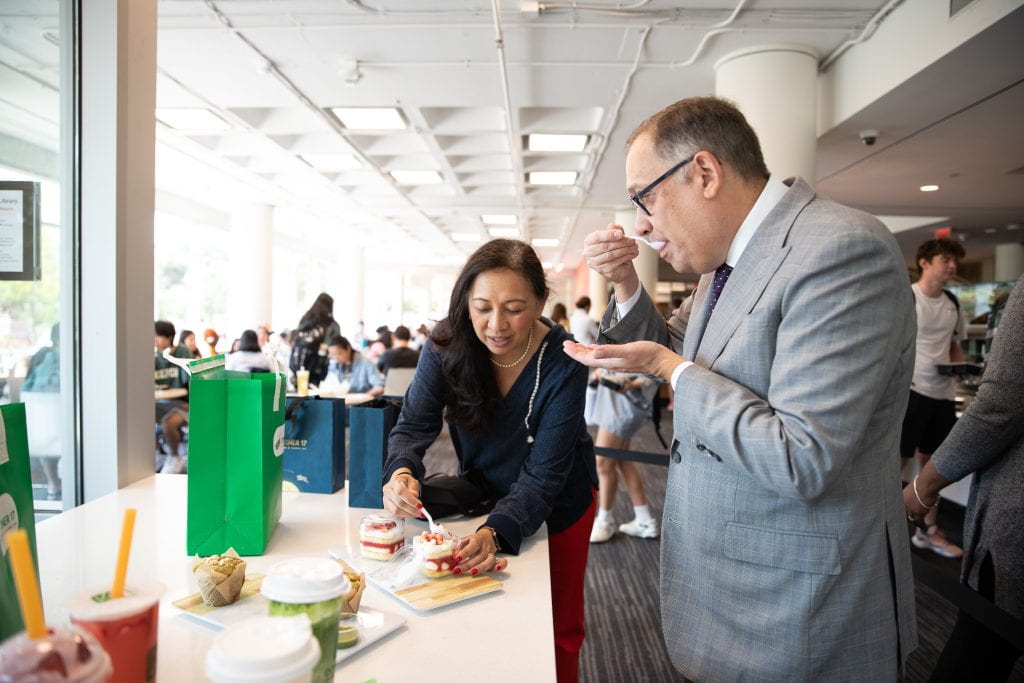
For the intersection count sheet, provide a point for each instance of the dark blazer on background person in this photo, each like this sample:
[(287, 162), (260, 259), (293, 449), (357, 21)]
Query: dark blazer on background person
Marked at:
[(784, 550)]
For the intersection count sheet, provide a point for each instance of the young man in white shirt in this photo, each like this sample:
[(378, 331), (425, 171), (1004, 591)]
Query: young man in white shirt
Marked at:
[(584, 328), (931, 410)]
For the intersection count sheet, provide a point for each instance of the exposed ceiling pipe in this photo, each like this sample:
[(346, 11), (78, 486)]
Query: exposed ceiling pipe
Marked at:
[(514, 140), (869, 30)]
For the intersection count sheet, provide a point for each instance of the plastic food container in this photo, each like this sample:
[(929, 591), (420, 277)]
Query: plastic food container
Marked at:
[(381, 536)]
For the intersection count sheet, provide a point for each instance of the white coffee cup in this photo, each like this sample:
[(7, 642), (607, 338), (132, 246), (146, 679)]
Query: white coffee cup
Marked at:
[(264, 650)]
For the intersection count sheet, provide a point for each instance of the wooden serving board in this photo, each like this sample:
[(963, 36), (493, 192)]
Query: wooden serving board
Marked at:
[(193, 604), (440, 592)]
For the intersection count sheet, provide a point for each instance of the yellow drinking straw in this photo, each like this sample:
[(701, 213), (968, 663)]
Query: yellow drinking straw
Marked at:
[(117, 591), (26, 585)]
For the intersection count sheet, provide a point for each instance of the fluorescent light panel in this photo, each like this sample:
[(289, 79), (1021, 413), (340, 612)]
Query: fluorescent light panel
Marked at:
[(929, 188), (416, 177), (465, 237), (499, 219), (192, 118), (370, 118), (544, 242), (548, 142), (546, 265), (332, 162), (552, 177), (504, 232)]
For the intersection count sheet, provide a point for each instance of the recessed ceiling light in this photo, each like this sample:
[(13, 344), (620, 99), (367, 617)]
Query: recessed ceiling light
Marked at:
[(990, 230), (465, 237), (416, 177), (504, 232), (332, 162), (544, 242), (552, 177), (191, 118), (929, 188), (546, 265), (499, 219), (1013, 226), (546, 142), (370, 118)]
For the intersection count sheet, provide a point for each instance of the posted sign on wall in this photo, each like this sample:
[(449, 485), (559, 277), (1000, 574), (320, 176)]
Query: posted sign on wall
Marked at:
[(19, 230)]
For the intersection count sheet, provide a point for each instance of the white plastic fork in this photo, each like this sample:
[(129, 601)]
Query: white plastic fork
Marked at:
[(435, 528), (653, 245)]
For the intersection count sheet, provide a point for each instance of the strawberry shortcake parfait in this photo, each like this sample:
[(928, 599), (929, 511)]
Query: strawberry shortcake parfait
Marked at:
[(381, 536), (436, 551)]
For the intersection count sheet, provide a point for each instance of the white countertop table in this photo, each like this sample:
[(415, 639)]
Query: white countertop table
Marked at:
[(502, 636)]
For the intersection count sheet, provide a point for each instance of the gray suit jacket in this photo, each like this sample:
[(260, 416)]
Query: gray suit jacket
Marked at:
[(989, 440), (785, 552)]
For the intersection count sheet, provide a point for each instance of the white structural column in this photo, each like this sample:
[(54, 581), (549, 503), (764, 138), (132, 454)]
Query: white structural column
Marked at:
[(1009, 261), (251, 267), (775, 87), (117, 146), (350, 290), (646, 263), (598, 292)]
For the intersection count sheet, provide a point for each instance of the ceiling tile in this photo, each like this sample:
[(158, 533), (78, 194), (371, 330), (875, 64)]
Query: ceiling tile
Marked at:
[(464, 119), (560, 119)]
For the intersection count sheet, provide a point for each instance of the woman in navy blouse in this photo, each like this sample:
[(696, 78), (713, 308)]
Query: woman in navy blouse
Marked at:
[(494, 370)]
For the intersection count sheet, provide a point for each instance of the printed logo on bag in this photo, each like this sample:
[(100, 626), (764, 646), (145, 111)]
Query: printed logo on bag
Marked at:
[(279, 441), (8, 519), (295, 443)]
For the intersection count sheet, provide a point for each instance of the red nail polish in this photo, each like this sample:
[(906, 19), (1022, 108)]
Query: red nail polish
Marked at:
[(473, 571), (419, 505), (458, 558), (456, 571)]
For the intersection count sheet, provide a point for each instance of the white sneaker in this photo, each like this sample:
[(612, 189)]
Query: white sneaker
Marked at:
[(937, 542), (602, 531), (648, 529)]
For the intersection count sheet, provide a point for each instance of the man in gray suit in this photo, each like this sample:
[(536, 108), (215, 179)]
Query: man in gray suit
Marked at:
[(785, 554)]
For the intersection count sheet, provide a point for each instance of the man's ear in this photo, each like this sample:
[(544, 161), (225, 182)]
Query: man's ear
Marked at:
[(708, 172)]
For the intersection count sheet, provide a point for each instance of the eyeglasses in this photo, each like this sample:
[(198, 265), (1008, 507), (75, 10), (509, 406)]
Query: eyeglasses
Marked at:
[(638, 198)]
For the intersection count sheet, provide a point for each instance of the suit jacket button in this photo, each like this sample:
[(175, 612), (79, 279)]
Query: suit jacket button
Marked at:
[(676, 458), (701, 447)]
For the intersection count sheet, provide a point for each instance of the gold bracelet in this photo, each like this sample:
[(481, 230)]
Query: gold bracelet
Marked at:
[(918, 496), (494, 537)]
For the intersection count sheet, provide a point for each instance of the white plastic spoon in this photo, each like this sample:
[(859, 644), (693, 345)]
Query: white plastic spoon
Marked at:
[(656, 246)]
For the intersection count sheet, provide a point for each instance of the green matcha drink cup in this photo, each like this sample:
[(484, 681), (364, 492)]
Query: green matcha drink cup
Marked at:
[(264, 650), (312, 586)]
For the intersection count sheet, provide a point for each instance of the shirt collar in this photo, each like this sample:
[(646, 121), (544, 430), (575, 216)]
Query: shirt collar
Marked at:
[(770, 196)]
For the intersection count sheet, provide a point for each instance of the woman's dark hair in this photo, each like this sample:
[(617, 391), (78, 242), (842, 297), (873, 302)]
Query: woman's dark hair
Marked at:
[(472, 397), (339, 341), (320, 314), (183, 335), (559, 314), (248, 341)]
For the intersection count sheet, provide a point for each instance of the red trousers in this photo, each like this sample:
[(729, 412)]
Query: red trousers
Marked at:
[(567, 557)]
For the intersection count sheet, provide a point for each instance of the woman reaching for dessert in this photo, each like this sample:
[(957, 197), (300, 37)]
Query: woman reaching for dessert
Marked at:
[(514, 404)]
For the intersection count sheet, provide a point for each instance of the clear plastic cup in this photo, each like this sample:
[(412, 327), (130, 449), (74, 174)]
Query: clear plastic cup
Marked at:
[(69, 650), (126, 627), (264, 650), (312, 586), (302, 382), (381, 536)]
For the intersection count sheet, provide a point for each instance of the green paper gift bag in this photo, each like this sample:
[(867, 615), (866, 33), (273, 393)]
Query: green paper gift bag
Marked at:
[(15, 508), (235, 444)]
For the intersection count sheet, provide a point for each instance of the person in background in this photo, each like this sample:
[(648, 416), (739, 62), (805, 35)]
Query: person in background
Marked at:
[(171, 414), (559, 315), (988, 440), (493, 371), (43, 377), (263, 333), (43, 373), (399, 355), (235, 344), (350, 372), (583, 327), (187, 342), (382, 343), (422, 332), (249, 357), (210, 337), (784, 555), (309, 340), (359, 340), (931, 409), (282, 347), (622, 405)]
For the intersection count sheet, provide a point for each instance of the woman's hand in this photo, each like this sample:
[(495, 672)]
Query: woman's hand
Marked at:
[(929, 483), (475, 554), (402, 494)]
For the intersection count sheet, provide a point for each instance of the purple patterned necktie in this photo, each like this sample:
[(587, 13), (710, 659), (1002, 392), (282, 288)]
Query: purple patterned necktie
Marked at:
[(722, 274)]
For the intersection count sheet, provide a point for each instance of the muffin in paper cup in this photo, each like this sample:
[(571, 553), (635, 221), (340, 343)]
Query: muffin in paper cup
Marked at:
[(357, 580), (220, 577)]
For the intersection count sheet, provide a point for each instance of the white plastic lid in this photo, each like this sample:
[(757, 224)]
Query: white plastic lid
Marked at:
[(263, 650), (137, 597), (83, 658), (304, 580)]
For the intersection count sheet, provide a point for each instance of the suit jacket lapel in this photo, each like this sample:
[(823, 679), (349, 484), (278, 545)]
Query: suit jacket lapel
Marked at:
[(762, 257), (698, 316)]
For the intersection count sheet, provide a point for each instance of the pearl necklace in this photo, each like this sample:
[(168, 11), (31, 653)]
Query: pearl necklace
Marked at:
[(529, 343)]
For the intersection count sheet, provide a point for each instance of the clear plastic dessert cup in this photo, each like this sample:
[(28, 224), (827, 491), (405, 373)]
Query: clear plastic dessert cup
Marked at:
[(264, 650), (65, 653), (312, 586), (126, 627), (381, 536)]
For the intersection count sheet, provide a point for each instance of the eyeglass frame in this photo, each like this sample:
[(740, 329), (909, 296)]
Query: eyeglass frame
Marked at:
[(637, 199)]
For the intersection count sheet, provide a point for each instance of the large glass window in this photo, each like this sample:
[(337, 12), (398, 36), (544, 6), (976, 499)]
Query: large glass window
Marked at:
[(35, 302)]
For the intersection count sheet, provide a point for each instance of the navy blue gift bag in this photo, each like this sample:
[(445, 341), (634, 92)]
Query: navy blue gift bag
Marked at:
[(369, 425), (314, 445)]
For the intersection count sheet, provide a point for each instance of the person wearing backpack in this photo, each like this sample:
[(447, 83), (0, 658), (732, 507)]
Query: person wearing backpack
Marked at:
[(931, 410), (309, 343)]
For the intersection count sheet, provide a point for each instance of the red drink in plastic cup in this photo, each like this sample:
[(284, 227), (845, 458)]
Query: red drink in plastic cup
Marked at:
[(126, 627)]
